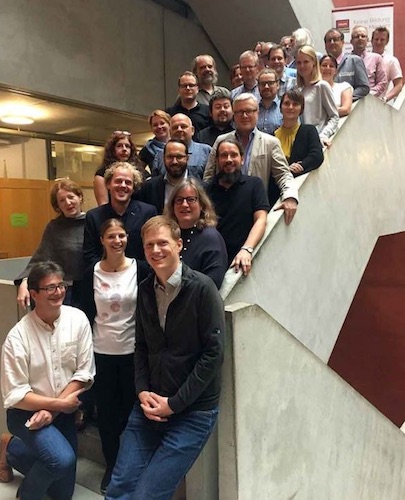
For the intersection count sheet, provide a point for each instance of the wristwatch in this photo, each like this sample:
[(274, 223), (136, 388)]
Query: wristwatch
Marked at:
[(248, 249)]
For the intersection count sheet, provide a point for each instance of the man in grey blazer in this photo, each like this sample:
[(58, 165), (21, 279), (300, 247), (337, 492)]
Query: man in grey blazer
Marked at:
[(263, 154), (350, 68)]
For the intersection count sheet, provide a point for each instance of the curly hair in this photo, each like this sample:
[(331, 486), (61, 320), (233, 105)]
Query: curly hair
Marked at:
[(109, 150)]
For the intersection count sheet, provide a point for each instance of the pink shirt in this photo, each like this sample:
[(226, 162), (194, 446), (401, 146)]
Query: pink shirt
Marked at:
[(376, 73)]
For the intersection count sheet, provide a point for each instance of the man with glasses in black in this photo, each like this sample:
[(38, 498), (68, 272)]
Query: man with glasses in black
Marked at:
[(157, 190), (47, 361), (187, 103)]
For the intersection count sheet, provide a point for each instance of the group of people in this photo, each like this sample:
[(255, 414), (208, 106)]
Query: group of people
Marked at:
[(134, 290), (127, 294)]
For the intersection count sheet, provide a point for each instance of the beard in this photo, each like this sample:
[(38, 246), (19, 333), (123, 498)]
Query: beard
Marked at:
[(210, 78), (229, 178)]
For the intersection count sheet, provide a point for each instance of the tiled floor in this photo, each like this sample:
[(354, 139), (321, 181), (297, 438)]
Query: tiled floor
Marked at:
[(88, 478)]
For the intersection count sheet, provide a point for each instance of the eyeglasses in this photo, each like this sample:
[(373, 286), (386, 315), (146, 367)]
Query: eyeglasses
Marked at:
[(270, 83), (186, 85), (177, 157), (247, 112), (121, 132), (51, 289), (336, 40), (250, 67), (190, 200)]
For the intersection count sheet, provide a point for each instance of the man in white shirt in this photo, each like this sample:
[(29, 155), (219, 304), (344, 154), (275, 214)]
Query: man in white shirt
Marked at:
[(46, 363), (379, 40)]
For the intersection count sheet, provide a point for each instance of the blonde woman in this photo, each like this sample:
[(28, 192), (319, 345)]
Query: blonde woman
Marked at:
[(320, 108)]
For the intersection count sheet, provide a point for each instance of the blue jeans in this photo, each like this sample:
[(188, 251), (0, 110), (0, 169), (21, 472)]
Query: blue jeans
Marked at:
[(155, 456), (46, 457)]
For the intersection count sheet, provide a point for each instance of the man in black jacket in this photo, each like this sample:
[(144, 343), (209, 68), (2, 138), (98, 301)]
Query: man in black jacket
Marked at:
[(180, 327)]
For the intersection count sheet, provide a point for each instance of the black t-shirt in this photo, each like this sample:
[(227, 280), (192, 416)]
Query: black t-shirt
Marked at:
[(235, 208)]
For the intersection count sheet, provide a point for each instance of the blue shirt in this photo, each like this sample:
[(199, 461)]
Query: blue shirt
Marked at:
[(196, 161), (270, 119), (248, 150), (241, 89), (287, 81)]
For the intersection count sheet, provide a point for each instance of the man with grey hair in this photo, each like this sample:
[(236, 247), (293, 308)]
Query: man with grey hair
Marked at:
[(205, 68), (249, 67), (263, 154), (221, 115)]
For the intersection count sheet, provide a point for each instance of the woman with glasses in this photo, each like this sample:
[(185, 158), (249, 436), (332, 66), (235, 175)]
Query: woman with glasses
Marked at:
[(320, 108), (119, 147), (62, 242), (204, 248), (109, 301), (343, 91), (159, 122)]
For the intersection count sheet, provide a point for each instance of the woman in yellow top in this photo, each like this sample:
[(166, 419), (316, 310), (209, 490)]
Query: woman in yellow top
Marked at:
[(300, 143)]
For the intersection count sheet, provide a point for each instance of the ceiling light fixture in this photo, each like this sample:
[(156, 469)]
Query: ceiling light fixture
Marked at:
[(17, 120)]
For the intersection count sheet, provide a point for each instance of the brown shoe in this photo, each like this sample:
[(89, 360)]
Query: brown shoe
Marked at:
[(6, 472)]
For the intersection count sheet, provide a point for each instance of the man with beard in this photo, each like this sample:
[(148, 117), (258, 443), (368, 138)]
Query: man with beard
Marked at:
[(263, 156), (157, 190), (204, 67), (221, 115), (270, 117), (241, 204), (182, 128)]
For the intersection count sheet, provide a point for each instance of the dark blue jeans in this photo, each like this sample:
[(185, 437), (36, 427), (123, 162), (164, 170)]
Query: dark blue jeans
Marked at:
[(155, 456), (46, 457)]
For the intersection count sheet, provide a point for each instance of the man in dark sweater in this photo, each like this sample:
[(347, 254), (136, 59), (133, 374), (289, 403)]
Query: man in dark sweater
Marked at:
[(180, 327), (221, 114)]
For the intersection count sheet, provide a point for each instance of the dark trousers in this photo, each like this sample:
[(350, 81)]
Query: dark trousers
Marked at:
[(115, 396)]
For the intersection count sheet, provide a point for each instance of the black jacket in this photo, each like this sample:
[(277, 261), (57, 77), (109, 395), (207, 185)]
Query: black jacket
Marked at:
[(183, 361)]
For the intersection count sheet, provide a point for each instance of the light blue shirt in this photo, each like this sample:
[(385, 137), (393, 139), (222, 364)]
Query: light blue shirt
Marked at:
[(198, 157), (241, 89), (248, 150), (270, 119)]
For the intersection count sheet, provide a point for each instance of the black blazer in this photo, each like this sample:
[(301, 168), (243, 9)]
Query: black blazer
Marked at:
[(307, 149), (136, 214), (153, 192)]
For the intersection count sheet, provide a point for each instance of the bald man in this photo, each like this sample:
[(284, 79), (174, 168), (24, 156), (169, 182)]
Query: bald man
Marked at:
[(182, 128)]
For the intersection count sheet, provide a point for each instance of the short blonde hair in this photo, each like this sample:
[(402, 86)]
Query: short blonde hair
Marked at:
[(161, 114), (161, 221)]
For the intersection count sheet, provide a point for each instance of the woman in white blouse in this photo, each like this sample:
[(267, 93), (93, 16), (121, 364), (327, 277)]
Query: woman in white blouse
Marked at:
[(343, 91), (110, 303), (320, 108)]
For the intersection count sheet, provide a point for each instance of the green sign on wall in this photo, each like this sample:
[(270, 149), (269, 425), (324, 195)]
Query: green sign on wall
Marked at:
[(19, 220)]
